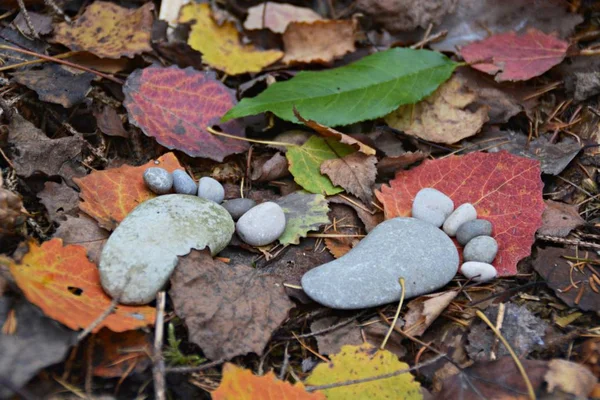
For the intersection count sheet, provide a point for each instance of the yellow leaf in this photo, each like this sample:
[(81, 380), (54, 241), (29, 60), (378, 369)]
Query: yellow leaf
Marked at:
[(220, 45), (360, 362)]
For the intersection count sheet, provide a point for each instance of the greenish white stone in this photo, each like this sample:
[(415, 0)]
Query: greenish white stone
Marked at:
[(140, 255)]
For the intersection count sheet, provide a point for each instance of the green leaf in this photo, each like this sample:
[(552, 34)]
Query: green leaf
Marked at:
[(304, 212), (305, 163), (366, 89)]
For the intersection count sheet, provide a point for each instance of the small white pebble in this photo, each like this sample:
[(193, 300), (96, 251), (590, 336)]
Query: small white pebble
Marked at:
[(466, 212), (478, 271)]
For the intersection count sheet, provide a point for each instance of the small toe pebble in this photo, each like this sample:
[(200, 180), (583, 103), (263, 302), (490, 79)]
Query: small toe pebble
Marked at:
[(431, 205), (481, 248), (472, 229), (183, 183), (211, 189), (159, 180), (478, 271), (466, 212)]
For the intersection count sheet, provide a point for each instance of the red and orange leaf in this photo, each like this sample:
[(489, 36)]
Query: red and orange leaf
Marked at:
[(109, 195), (175, 106), (505, 190), (66, 286), (516, 57), (240, 384), (119, 354)]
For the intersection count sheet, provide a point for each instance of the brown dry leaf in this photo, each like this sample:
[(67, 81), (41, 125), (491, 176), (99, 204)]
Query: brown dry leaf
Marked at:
[(318, 42), (326, 131), (32, 151), (423, 310), (355, 172), (60, 200), (559, 219), (276, 16), (11, 211), (108, 65), (345, 221), (108, 30), (443, 117), (267, 168), (109, 122), (570, 377), (40, 22), (230, 310), (390, 165), (369, 219), (84, 231), (406, 15)]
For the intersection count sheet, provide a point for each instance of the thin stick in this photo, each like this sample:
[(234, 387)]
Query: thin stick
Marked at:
[(530, 390), (158, 368), (267, 142), (375, 378), (196, 368), (328, 329), (32, 62), (98, 320), (389, 333), (59, 61), (333, 235), (572, 242)]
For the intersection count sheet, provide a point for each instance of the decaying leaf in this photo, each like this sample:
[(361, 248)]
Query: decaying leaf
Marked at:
[(230, 310), (424, 310), (570, 378), (505, 190), (277, 16), (118, 354), (391, 165), (60, 200), (220, 45), (516, 57), (559, 219), (318, 41), (175, 106), (241, 384), (57, 84), (66, 286), (83, 231), (355, 172), (36, 343), (269, 168), (446, 116), (108, 30), (370, 218), (109, 122), (359, 362), (109, 195), (305, 163), (406, 15), (304, 212)]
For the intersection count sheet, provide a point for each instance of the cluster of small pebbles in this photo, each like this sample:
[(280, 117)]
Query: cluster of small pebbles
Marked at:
[(257, 225), (480, 248)]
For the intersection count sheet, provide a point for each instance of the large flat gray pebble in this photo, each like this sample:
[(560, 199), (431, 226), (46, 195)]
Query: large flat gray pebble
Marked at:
[(482, 249), (261, 225), (183, 183), (432, 206), (159, 180), (238, 207), (473, 228), (140, 255), (367, 276), (211, 189), (466, 212), (478, 271)]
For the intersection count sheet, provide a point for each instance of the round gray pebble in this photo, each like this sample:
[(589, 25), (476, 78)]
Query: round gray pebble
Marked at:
[(159, 180), (238, 207), (482, 249), (474, 228), (466, 212), (262, 224), (211, 189), (183, 183), (431, 205)]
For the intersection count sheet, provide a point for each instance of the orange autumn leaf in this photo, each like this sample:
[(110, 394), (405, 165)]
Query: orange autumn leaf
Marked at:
[(109, 195), (66, 286), (240, 384)]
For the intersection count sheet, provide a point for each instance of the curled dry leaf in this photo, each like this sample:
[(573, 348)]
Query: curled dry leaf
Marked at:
[(230, 310), (559, 219), (269, 168), (406, 15), (424, 310), (318, 42), (355, 172), (108, 30), (60, 200), (446, 116), (277, 16), (119, 354), (570, 378), (220, 45), (109, 122), (516, 57), (391, 165)]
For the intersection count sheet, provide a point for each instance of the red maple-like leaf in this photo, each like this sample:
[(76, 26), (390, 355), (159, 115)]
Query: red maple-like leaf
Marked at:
[(175, 106), (513, 57), (505, 190)]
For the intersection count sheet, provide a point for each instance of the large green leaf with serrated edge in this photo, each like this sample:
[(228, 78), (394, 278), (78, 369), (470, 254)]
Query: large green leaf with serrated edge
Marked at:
[(305, 163), (366, 89), (304, 212)]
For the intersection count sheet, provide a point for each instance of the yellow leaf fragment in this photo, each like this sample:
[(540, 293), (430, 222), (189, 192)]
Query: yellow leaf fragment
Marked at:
[(220, 45)]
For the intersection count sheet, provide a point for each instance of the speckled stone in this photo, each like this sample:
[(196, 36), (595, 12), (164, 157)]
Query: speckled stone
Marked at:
[(262, 224), (183, 183), (482, 249), (431, 205), (238, 207), (367, 276), (466, 212), (211, 189), (478, 271), (471, 229), (159, 180), (140, 255)]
